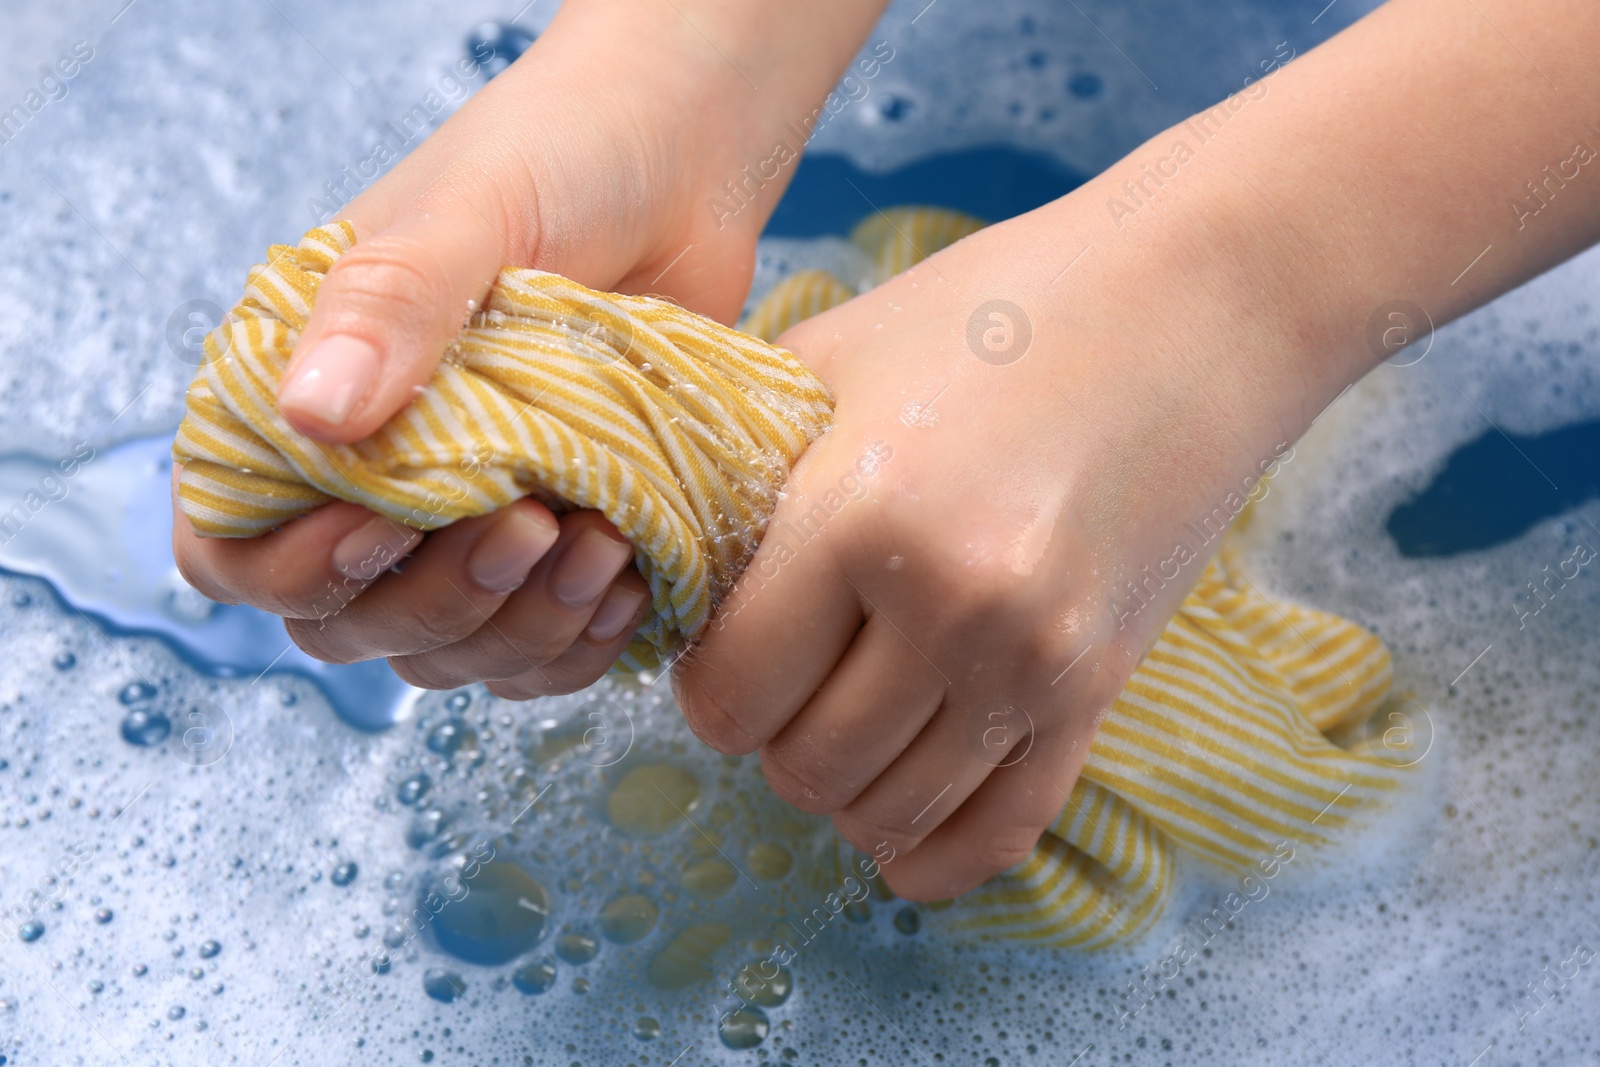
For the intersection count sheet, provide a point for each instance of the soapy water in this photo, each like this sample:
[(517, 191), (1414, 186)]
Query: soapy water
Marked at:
[(103, 539), (204, 862)]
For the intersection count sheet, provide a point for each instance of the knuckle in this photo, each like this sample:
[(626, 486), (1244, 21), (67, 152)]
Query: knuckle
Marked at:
[(384, 282), (1004, 848), (570, 674), (418, 671), (803, 779), (311, 636), (539, 649), (518, 688), (433, 625), (706, 717), (198, 577), (871, 834)]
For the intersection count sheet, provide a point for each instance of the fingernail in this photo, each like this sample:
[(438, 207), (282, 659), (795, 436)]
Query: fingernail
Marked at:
[(614, 613), (588, 568), (373, 547), (502, 559), (330, 379)]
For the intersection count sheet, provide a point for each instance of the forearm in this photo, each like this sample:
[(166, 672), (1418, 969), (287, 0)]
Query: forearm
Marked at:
[(754, 73), (1419, 156)]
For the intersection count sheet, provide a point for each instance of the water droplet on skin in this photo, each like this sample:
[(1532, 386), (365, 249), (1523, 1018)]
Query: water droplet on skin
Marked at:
[(65, 661), (32, 930), (209, 949), (176, 1012), (145, 728), (646, 1029), (458, 702), (343, 874), (95, 985), (103, 916), (907, 921), (140, 970)]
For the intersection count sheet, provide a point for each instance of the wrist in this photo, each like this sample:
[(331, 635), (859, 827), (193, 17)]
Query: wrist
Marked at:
[(731, 89), (1219, 282)]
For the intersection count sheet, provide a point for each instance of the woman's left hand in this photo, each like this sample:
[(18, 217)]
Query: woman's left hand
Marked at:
[(939, 613)]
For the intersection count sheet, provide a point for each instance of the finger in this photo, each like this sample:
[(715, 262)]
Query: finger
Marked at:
[(776, 637), (589, 657), (543, 651), (449, 587), (924, 787), (869, 710), (997, 828), (311, 568), (387, 308), (564, 595)]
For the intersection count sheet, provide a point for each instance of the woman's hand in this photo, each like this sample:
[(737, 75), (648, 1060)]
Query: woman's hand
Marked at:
[(599, 155), (941, 609), (1042, 430)]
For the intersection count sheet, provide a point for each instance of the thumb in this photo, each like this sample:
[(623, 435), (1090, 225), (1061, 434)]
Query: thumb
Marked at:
[(386, 310)]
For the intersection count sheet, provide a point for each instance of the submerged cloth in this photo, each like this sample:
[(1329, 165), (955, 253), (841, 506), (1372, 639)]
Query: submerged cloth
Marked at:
[(681, 432)]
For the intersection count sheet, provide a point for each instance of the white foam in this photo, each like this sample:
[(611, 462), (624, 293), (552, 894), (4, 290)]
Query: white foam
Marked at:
[(194, 139)]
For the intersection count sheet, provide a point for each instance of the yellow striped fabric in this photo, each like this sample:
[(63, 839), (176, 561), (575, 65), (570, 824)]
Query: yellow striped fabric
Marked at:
[(681, 431)]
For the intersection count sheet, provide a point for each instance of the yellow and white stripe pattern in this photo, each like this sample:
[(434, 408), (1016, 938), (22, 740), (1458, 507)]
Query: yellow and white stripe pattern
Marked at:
[(681, 431)]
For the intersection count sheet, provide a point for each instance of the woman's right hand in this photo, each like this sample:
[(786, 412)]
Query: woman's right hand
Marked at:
[(598, 155)]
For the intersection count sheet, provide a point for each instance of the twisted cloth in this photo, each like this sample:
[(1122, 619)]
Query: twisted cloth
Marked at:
[(681, 432)]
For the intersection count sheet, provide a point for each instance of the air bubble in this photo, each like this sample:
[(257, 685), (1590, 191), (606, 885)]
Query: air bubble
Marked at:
[(577, 948), (744, 1029), (535, 978), (145, 728), (443, 986), (136, 693), (411, 791)]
